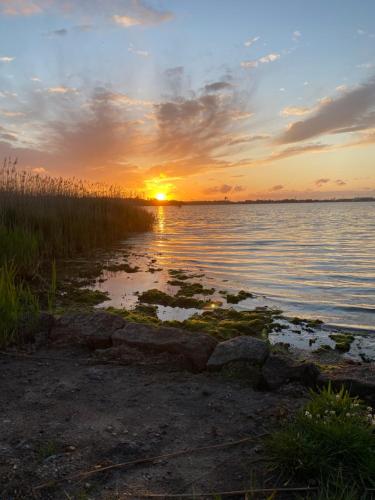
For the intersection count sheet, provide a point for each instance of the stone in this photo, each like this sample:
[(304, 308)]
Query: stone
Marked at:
[(193, 348), (33, 328), (94, 330), (281, 369), (251, 350), (359, 380)]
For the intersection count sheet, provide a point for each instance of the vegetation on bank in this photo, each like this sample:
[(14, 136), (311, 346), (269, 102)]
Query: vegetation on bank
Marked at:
[(331, 441), (43, 218)]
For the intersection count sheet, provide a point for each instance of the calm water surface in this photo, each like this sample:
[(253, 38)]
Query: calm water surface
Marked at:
[(314, 259)]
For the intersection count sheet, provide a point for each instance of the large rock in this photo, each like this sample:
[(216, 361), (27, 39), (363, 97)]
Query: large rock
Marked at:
[(94, 330), (358, 379), (251, 350), (193, 348), (280, 369)]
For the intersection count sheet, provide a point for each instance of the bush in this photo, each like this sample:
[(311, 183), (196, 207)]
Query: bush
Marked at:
[(333, 434)]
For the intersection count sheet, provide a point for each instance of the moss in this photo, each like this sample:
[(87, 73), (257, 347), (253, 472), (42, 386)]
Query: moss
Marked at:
[(155, 296), (343, 341), (227, 323), (235, 299)]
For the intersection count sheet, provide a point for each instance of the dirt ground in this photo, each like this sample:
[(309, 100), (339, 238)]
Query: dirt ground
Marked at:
[(64, 413)]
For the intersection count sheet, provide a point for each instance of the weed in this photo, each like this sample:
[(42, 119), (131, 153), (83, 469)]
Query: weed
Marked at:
[(333, 432)]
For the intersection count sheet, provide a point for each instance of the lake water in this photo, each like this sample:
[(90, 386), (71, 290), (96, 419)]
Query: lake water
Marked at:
[(315, 260)]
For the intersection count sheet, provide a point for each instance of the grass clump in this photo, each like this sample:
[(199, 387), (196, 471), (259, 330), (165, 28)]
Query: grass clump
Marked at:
[(227, 323), (343, 341), (333, 432), (19, 308)]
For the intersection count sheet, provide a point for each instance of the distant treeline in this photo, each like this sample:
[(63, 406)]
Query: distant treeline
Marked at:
[(143, 202)]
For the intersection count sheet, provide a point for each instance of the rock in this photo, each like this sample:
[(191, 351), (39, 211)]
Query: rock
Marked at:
[(40, 327), (94, 330), (359, 380), (280, 369), (193, 348), (249, 349)]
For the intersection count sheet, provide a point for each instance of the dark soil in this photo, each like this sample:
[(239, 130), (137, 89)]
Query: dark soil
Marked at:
[(64, 412)]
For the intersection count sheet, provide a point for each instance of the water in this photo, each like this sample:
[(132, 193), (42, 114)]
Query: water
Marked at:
[(315, 260)]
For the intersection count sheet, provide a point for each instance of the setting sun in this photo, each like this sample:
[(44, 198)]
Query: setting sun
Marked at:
[(161, 196)]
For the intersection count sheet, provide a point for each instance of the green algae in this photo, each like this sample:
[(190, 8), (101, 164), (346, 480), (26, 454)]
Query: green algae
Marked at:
[(155, 296), (121, 267), (227, 323), (182, 276), (235, 299), (191, 289), (343, 341), (141, 314)]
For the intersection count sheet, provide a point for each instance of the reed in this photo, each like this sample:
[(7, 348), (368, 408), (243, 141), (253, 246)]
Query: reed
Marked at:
[(43, 219)]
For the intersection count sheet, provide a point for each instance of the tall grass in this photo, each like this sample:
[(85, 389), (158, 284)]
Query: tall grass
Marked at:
[(43, 218), (18, 306)]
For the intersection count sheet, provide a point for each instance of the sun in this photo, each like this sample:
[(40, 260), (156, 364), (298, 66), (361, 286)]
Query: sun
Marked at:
[(161, 196)]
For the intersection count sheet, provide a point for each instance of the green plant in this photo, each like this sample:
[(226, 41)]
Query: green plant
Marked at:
[(18, 306), (333, 433)]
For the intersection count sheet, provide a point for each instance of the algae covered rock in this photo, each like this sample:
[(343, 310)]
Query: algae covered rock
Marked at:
[(194, 348), (239, 349), (94, 329)]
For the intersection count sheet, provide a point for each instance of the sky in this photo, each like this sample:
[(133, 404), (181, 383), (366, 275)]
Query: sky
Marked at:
[(196, 99)]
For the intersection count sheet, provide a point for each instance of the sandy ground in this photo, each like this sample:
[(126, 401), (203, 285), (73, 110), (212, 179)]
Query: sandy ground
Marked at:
[(64, 413)]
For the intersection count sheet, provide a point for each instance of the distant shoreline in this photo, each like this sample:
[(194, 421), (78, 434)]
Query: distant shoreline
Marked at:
[(248, 202)]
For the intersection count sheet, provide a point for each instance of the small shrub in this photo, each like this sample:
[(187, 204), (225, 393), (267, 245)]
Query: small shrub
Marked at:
[(333, 432)]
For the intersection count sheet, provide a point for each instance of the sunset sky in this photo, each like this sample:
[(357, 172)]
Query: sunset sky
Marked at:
[(197, 99)]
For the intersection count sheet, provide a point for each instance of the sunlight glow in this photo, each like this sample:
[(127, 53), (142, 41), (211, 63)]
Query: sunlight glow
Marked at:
[(161, 196)]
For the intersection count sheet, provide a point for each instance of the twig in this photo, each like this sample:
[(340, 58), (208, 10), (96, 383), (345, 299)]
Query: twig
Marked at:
[(149, 459)]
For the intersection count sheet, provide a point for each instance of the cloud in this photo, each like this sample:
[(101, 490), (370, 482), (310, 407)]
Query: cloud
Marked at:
[(223, 189), (296, 36), (6, 59), (251, 41), (262, 60), (61, 90), (20, 7), (142, 53), (295, 111), (140, 15), (60, 32), (247, 138), (349, 110), (340, 182), (278, 187), (321, 182), (217, 86)]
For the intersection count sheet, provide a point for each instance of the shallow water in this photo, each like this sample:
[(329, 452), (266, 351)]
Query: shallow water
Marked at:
[(315, 260)]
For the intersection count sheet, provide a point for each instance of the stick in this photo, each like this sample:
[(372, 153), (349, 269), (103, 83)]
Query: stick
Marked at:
[(221, 493), (149, 459)]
